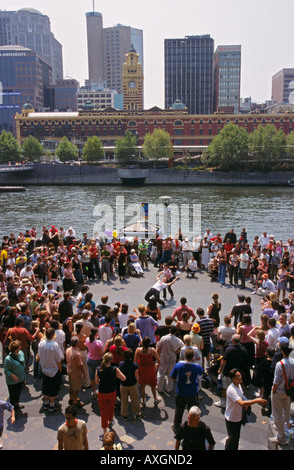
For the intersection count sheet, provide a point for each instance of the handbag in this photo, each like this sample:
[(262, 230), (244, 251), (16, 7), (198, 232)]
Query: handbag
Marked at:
[(289, 387)]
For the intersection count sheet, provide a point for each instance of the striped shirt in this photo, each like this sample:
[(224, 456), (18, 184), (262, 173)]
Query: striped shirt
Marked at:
[(206, 328)]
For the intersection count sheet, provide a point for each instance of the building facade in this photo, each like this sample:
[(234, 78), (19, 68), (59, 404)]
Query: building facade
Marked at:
[(31, 29), (62, 96), (227, 78), (132, 79), (188, 66), (24, 76), (283, 87)]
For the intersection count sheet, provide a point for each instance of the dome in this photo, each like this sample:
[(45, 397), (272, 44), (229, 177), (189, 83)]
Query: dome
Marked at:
[(28, 105), (178, 104), (88, 105), (31, 10)]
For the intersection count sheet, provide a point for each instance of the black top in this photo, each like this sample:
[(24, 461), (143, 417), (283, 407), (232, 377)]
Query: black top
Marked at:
[(107, 378), (194, 438)]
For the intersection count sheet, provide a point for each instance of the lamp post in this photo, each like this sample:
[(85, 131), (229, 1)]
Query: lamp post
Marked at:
[(165, 200)]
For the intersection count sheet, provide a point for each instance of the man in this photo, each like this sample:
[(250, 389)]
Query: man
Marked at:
[(272, 334), (167, 349), (21, 334), (206, 328), (163, 330), (167, 273), (94, 257), (274, 263), (194, 433), (186, 373), (267, 286), (157, 288), (72, 435), (235, 356), (281, 402), (192, 267), (65, 308), (236, 402), (264, 240), (178, 312), (143, 250), (244, 261), (240, 308), (51, 357), (187, 252), (85, 322)]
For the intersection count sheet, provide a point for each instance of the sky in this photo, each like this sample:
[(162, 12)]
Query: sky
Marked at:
[(264, 29)]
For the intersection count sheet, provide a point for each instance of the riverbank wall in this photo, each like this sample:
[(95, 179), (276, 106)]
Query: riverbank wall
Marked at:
[(62, 174)]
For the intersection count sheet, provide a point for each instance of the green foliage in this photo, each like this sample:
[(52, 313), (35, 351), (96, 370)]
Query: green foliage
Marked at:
[(158, 145), (10, 150), (290, 145), (267, 145), (66, 150), (93, 150), (31, 148), (228, 150), (126, 149)]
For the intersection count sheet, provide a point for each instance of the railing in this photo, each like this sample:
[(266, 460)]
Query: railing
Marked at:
[(14, 168)]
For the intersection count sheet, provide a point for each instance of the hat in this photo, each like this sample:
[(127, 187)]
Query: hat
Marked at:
[(195, 328), (283, 339), (264, 276), (133, 251)]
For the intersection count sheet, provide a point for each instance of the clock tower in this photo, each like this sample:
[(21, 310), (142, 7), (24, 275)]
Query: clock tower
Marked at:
[(132, 79)]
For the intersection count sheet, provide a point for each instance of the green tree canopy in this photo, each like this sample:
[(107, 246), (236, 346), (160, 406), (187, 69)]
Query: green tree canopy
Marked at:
[(290, 145), (10, 150), (126, 149), (31, 148), (229, 149), (93, 149), (66, 150), (267, 145), (158, 145)]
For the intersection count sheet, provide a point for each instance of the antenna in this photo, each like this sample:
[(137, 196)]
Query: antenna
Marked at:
[(93, 6)]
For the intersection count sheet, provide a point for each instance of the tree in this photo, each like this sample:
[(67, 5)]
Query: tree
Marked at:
[(229, 149), (93, 149), (290, 145), (126, 149), (10, 150), (31, 148), (66, 150), (267, 145), (158, 145)]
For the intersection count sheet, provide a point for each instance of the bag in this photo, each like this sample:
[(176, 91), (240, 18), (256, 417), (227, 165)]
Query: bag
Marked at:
[(289, 387), (7, 341)]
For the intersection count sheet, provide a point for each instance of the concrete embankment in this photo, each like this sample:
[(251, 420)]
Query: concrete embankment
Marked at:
[(62, 174)]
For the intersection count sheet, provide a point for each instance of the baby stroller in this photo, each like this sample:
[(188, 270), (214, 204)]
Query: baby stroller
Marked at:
[(210, 378)]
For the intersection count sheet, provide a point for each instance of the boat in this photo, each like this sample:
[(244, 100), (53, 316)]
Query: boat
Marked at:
[(12, 189)]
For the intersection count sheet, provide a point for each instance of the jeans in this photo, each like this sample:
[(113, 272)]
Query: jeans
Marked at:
[(222, 273), (181, 404)]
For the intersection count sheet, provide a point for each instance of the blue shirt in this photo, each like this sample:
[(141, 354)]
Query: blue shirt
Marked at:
[(186, 374)]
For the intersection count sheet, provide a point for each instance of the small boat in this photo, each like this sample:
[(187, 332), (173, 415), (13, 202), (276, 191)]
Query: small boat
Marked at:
[(291, 182), (12, 189)]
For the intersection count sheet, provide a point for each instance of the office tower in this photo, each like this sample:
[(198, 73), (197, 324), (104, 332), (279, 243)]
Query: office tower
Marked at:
[(62, 96), (107, 49), (95, 46), (227, 79), (188, 66), (283, 86), (24, 76), (31, 29)]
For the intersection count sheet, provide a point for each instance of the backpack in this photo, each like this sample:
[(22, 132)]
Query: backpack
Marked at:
[(289, 386)]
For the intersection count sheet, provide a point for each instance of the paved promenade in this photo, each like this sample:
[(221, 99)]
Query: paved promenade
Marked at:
[(36, 430)]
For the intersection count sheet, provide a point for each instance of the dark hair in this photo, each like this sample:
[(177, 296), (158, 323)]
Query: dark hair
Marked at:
[(183, 300), (50, 332), (71, 410), (124, 308), (233, 373), (128, 355), (168, 320), (173, 329), (93, 333), (200, 311), (189, 354), (145, 343)]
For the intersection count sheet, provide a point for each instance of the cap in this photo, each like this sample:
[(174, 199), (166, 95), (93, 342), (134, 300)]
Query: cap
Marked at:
[(264, 276), (195, 328), (283, 339)]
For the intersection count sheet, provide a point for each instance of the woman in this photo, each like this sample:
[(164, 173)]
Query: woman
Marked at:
[(124, 316), (205, 255), (106, 375), (282, 279), (243, 328), (87, 265), (130, 387), (94, 358), (258, 337), (213, 309), (14, 369), (68, 278), (152, 310), (184, 326), (53, 275), (122, 262), (222, 265), (84, 351), (131, 338), (77, 269), (134, 259), (145, 357)]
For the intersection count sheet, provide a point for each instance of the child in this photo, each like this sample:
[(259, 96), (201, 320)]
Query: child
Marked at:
[(5, 405), (109, 442)]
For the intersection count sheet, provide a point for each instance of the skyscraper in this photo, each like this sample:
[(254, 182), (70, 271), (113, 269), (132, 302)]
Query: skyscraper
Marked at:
[(188, 64), (283, 86), (31, 29), (227, 78), (107, 49)]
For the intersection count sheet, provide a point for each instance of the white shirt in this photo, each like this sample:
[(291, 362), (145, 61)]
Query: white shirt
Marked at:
[(233, 409), (272, 337), (159, 285), (244, 257), (50, 355)]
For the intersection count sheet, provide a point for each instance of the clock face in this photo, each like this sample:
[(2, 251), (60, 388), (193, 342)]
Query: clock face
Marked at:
[(132, 84)]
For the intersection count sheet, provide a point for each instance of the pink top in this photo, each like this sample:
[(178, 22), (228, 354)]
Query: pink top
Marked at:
[(95, 349), (244, 329)]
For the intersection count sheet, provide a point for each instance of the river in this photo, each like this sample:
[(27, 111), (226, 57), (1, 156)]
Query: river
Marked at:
[(222, 208)]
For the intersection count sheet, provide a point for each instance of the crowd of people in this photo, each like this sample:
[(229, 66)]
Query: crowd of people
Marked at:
[(51, 326)]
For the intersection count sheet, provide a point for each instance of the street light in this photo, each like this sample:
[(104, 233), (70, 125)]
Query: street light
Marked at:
[(165, 201)]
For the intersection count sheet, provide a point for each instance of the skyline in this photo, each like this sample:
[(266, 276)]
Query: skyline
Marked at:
[(261, 29)]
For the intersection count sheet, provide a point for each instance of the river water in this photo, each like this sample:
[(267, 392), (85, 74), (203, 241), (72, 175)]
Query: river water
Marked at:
[(222, 207)]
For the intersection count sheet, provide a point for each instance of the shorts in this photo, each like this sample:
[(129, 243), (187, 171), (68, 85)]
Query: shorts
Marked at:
[(75, 383), (206, 350), (51, 385), (92, 366)]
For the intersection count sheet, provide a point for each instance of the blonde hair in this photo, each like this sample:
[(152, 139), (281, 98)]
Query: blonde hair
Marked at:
[(131, 328), (107, 358), (141, 308), (187, 340)]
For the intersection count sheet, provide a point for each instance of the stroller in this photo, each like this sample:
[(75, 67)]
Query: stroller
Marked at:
[(210, 378)]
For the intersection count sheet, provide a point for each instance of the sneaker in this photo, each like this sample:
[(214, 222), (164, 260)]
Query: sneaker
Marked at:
[(139, 416), (168, 394), (124, 418), (157, 401), (253, 292), (143, 403), (277, 441), (111, 424), (101, 437), (53, 408), (220, 404), (93, 395)]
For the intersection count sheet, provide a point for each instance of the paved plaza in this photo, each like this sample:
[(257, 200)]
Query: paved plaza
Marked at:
[(35, 429)]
